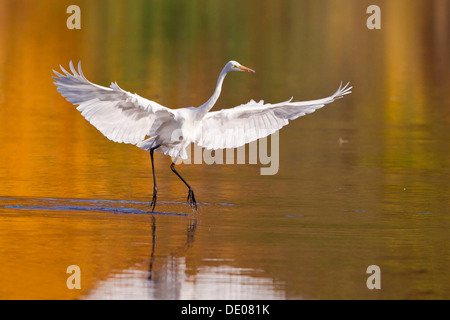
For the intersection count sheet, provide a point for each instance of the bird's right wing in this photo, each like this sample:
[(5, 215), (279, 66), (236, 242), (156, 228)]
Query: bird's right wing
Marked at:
[(234, 127), (120, 115)]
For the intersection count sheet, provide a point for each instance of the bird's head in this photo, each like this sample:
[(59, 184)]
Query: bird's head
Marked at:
[(236, 66)]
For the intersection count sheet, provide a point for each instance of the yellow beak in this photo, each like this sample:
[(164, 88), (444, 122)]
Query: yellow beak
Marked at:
[(246, 69)]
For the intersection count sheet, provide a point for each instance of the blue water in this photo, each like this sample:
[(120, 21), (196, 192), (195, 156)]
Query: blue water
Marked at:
[(103, 205)]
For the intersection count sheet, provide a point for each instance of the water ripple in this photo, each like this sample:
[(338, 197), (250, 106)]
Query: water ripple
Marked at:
[(103, 205)]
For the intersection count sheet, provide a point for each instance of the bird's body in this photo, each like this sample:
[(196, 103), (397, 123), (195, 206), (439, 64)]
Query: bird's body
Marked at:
[(176, 133), (125, 117)]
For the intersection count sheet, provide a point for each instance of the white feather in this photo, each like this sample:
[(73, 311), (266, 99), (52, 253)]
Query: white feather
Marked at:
[(234, 127), (125, 117), (120, 115)]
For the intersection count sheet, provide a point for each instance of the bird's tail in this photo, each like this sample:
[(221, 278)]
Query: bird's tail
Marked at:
[(172, 151), (148, 144)]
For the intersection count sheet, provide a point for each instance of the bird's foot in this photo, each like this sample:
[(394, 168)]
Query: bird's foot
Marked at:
[(191, 199), (153, 203)]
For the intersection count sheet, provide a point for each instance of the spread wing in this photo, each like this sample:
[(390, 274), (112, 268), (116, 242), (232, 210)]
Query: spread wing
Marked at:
[(232, 128), (120, 115)]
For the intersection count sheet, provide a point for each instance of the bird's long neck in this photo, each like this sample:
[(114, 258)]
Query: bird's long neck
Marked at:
[(204, 108)]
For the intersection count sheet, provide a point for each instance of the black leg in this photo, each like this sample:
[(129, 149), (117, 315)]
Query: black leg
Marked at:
[(155, 188), (191, 197)]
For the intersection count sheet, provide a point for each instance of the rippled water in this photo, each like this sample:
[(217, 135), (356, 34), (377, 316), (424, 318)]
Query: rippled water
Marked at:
[(364, 181)]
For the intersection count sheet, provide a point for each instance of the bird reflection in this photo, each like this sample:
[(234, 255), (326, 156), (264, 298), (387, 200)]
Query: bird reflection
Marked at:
[(191, 232), (152, 255), (191, 228)]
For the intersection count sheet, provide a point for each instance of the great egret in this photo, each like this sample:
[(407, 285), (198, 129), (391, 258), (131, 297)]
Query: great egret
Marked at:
[(126, 117)]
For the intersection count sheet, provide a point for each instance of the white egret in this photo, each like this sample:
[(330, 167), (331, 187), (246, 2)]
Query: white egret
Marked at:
[(126, 117)]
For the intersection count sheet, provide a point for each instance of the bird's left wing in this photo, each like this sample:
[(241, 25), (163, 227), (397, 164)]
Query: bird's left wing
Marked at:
[(120, 115), (232, 128)]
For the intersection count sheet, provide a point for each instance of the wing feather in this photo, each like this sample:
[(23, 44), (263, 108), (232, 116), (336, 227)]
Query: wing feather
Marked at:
[(232, 128), (120, 115)]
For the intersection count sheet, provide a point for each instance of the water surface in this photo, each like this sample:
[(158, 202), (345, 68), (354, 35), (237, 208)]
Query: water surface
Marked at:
[(364, 181)]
